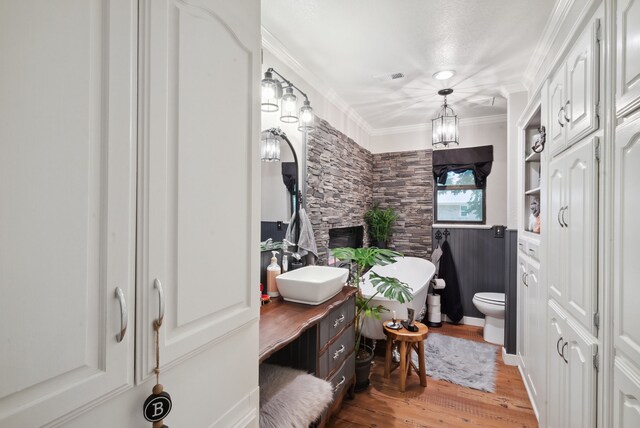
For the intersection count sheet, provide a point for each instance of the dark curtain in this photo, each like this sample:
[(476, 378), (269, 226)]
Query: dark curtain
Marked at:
[(450, 300), (477, 159)]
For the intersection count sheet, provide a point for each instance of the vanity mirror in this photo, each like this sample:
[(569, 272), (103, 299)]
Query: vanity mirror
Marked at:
[(280, 178)]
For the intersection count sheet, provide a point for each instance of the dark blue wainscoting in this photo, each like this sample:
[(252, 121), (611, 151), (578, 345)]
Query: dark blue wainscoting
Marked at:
[(485, 263)]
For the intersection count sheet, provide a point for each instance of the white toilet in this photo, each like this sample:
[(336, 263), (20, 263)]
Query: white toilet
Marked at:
[(492, 306)]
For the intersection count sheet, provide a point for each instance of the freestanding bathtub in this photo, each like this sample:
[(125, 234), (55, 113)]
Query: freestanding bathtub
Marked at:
[(413, 271)]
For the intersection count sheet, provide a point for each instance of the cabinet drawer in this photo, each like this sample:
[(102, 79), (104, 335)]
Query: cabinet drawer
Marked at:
[(522, 245), (336, 353), (336, 321), (343, 376), (533, 250)]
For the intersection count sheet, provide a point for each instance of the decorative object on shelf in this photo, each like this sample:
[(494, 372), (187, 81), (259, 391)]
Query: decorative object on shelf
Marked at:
[(380, 221), (445, 125), (158, 405), (390, 287), (539, 139), (534, 217), (272, 93)]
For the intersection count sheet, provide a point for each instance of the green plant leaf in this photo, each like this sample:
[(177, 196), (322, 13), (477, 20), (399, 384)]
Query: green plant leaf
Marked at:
[(391, 288)]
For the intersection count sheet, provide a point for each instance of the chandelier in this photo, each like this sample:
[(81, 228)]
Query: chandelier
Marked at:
[(279, 95), (445, 125)]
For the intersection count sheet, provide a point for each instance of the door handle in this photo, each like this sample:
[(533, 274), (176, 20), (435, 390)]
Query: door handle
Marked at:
[(559, 120), (158, 286), (563, 211), (560, 221), (565, 111), (558, 344), (563, 357), (124, 314)]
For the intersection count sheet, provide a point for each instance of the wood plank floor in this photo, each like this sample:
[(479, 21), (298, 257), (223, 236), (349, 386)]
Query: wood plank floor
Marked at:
[(440, 404)]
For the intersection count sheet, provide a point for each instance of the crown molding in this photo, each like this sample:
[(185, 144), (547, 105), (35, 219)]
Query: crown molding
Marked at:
[(549, 35), (277, 49), (421, 127)]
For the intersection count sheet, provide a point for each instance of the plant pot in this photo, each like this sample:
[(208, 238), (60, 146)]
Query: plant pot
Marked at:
[(379, 244), (363, 368)]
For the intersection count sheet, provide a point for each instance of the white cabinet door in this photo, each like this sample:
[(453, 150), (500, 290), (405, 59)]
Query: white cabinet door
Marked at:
[(556, 134), (626, 395), (626, 235), (556, 382), (199, 107), (628, 57), (535, 335), (557, 241), (522, 312), (582, 85), (579, 350), (580, 219), (67, 186)]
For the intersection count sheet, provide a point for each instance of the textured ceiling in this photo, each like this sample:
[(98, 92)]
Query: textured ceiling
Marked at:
[(347, 43)]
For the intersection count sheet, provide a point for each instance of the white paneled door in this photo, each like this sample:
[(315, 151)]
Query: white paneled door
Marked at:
[(198, 145), (556, 121), (626, 271), (556, 382), (67, 205), (628, 57)]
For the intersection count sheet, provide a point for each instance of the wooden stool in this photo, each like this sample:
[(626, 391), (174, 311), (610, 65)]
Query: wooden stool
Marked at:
[(407, 341)]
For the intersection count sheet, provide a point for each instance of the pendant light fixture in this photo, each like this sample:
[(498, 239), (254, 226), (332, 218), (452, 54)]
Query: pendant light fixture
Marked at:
[(272, 92), (445, 125)]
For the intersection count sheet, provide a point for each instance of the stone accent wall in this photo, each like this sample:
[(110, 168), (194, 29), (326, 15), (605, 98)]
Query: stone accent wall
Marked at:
[(404, 181), (339, 184)]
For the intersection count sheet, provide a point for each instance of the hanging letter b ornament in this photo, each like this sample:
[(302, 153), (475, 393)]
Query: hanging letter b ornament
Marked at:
[(157, 406)]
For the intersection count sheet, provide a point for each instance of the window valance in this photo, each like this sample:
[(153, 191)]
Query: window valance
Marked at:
[(476, 159)]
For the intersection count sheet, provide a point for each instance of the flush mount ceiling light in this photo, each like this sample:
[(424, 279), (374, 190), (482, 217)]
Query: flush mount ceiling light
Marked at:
[(272, 93), (445, 125), (444, 74)]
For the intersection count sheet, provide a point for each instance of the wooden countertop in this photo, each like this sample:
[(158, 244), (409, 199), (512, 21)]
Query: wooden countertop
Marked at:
[(282, 322)]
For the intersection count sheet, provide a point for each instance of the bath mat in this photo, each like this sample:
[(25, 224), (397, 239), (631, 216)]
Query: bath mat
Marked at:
[(460, 361)]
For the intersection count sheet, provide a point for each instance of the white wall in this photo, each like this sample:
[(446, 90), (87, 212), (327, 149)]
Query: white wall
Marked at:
[(471, 135), (516, 103)]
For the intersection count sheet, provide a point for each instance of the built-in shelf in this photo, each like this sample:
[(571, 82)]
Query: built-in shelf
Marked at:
[(533, 157), (534, 191)]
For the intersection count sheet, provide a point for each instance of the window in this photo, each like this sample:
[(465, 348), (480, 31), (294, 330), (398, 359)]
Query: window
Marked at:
[(458, 200)]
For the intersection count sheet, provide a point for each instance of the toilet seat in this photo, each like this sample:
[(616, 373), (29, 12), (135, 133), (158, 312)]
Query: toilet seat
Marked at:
[(492, 298)]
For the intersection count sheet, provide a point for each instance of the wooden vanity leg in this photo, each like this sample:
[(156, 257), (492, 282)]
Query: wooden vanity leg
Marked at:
[(403, 365), (387, 358), (422, 364)]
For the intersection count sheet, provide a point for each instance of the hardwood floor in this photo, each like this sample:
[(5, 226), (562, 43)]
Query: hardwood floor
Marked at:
[(440, 404)]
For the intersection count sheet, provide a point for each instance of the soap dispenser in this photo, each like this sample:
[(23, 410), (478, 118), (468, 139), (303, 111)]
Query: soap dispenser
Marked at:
[(273, 270)]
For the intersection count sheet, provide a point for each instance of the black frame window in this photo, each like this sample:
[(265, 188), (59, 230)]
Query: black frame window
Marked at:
[(460, 200)]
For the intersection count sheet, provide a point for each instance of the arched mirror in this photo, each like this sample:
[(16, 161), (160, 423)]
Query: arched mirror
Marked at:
[(280, 187)]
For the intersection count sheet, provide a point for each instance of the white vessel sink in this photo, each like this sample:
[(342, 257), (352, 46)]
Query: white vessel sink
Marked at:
[(311, 285)]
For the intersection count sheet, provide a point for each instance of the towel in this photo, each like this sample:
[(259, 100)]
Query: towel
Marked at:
[(307, 242), (435, 258)]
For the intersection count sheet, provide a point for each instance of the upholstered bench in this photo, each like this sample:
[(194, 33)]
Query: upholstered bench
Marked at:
[(291, 398)]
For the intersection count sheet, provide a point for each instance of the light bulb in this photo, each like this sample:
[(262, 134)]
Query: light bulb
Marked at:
[(307, 116), (290, 105), (268, 92)]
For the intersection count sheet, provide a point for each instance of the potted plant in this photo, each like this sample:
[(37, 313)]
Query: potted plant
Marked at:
[(380, 221), (389, 287)]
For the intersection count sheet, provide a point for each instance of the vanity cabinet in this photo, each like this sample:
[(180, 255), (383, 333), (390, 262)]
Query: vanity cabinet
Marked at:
[(319, 339), (573, 214), (572, 375), (628, 57), (574, 92)]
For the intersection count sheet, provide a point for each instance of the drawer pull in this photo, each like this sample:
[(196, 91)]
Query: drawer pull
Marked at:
[(531, 250), (338, 352), (338, 321), (339, 384)]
